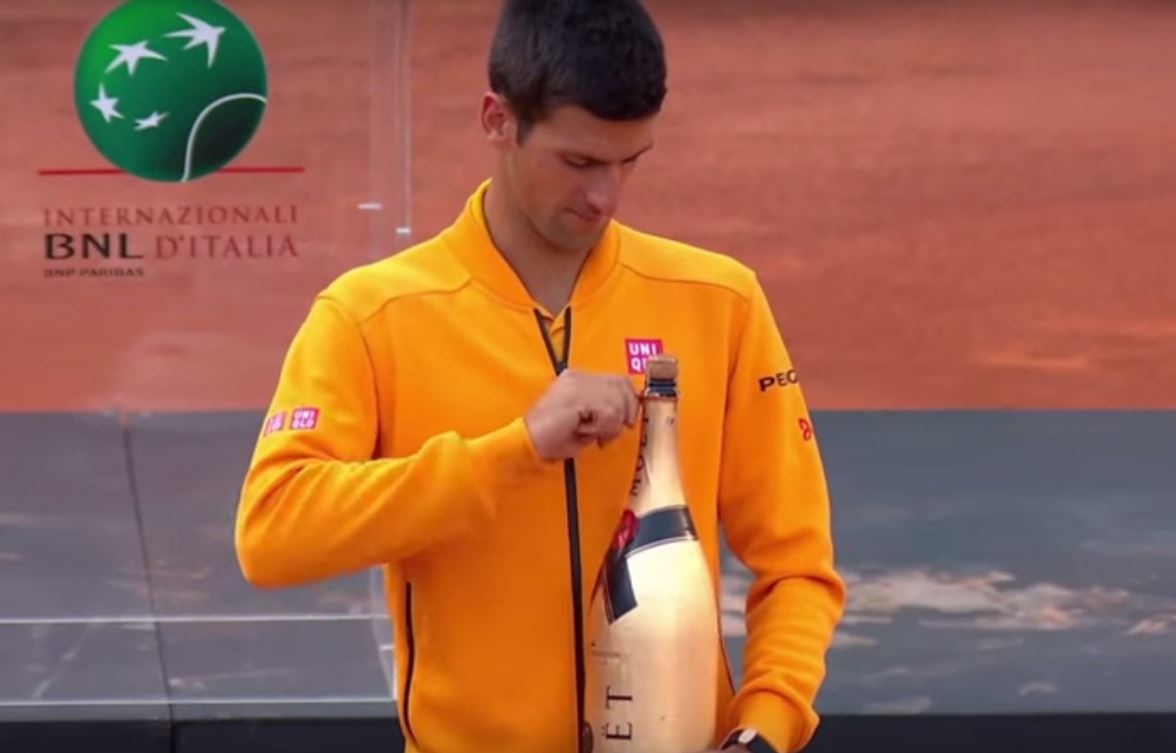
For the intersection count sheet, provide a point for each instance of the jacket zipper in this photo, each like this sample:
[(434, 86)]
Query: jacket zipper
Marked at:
[(573, 517), (411, 642)]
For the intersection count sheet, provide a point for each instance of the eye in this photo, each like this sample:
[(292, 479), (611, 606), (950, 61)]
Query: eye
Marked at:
[(577, 163)]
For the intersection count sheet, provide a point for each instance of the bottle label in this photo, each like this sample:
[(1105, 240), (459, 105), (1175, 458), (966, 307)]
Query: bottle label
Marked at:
[(663, 526)]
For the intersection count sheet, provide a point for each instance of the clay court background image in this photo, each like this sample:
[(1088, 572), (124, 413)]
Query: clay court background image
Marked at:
[(964, 204)]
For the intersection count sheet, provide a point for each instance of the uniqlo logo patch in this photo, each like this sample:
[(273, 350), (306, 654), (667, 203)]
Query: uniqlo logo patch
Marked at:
[(638, 352), (304, 418), (276, 422)]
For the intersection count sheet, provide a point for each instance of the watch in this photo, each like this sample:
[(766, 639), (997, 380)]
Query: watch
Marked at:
[(750, 739)]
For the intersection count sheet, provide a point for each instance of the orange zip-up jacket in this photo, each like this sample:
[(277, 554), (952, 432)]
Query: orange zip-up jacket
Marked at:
[(395, 439)]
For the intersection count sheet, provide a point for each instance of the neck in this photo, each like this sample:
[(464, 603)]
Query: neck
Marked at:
[(547, 272), (658, 483)]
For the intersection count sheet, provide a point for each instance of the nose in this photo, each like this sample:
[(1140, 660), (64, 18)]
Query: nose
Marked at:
[(604, 190)]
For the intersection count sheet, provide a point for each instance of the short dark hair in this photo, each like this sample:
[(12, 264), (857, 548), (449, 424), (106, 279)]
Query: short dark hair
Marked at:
[(606, 56)]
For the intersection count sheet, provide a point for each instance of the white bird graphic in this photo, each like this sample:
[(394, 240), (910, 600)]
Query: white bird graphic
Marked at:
[(131, 54), (151, 121), (201, 33)]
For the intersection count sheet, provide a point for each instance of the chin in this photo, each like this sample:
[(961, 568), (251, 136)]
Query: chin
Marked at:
[(586, 243), (574, 242)]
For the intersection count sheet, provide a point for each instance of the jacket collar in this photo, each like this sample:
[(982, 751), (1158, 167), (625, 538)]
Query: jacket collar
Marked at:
[(469, 238)]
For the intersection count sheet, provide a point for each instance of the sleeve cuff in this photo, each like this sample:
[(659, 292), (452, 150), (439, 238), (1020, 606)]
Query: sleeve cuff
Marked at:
[(774, 719)]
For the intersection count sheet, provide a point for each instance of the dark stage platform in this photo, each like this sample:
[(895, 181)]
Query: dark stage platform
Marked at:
[(1012, 588)]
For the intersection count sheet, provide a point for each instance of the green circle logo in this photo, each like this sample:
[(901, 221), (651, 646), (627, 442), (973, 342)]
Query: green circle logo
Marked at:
[(170, 90)]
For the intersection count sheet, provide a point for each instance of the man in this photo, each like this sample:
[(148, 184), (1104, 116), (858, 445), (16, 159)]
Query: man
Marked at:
[(438, 415)]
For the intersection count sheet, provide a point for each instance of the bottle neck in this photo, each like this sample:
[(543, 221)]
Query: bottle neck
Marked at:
[(657, 483)]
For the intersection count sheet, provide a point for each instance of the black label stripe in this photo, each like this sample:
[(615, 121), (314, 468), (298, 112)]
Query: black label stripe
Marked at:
[(620, 599), (661, 527)]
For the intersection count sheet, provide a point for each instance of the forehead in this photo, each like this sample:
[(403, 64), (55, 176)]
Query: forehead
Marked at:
[(574, 129)]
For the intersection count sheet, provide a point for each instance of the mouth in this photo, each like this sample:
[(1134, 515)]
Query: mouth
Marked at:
[(592, 218)]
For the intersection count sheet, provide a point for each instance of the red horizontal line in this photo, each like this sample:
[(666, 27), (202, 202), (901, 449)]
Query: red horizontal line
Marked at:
[(274, 169), (91, 171), (58, 172)]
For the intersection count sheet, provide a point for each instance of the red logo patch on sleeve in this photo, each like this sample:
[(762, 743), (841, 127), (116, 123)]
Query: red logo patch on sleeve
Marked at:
[(304, 418), (276, 422), (638, 352)]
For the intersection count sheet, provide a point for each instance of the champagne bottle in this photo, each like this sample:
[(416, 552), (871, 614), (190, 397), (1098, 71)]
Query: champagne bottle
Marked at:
[(654, 653)]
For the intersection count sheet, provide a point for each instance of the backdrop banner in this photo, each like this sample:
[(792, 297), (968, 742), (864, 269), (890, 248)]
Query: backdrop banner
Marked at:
[(181, 177)]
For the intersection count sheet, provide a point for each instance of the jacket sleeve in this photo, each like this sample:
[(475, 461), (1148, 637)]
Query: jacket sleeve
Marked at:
[(315, 504), (775, 509)]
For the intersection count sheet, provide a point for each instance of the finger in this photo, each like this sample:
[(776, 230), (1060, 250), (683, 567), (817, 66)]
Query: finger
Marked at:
[(632, 402), (582, 440), (620, 391), (606, 423), (606, 415)]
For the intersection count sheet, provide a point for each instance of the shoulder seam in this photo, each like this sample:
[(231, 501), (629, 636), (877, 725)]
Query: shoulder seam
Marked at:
[(746, 297), (379, 309)]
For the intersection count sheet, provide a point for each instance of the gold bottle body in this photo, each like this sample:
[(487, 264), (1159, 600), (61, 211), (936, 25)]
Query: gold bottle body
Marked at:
[(655, 641)]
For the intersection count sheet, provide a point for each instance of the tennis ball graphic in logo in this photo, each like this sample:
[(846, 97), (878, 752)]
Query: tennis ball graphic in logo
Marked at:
[(170, 90)]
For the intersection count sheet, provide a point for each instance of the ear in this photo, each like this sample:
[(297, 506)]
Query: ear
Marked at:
[(497, 122)]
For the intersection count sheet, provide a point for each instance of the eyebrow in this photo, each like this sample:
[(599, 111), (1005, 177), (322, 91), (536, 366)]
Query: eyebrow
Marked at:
[(641, 151), (588, 158)]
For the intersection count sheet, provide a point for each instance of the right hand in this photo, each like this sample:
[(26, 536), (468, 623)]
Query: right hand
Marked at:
[(579, 409)]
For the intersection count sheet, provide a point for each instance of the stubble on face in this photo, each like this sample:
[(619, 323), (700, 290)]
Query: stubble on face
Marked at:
[(569, 172)]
